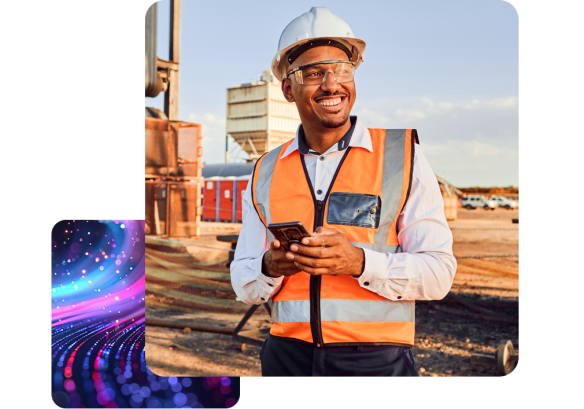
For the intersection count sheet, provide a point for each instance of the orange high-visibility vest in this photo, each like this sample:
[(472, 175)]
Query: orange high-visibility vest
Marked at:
[(365, 198)]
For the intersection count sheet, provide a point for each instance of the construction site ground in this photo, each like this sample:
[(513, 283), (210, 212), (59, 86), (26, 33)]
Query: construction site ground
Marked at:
[(447, 333)]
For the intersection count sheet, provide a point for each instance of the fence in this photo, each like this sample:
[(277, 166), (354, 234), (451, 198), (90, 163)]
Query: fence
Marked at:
[(174, 278)]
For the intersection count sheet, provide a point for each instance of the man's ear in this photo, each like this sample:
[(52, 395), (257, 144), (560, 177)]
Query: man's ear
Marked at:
[(287, 90)]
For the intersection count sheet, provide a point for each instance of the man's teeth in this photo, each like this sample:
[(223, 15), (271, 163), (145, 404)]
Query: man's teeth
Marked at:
[(330, 102)]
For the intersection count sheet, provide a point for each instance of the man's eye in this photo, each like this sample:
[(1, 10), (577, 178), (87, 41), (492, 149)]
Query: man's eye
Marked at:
[(312, 74)]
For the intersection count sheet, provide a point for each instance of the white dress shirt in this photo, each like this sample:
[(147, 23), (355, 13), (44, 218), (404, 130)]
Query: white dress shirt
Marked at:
[(423, 271)]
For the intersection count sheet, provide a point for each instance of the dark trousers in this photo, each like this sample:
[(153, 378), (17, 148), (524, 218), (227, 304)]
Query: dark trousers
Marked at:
[(288, 358)]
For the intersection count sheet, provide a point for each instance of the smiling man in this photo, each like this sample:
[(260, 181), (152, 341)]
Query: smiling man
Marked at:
[(343, 298)]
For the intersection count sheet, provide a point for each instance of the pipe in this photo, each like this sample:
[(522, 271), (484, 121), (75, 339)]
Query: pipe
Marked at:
[(200, 328), (476, 316)]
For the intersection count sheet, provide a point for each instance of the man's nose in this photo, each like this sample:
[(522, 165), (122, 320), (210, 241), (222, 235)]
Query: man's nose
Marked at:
[(329, 81)]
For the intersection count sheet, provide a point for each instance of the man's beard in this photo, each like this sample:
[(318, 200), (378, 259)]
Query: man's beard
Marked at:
[(335, 124)]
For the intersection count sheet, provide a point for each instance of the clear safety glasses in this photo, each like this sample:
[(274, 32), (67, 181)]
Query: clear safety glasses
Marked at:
[(316, 72)]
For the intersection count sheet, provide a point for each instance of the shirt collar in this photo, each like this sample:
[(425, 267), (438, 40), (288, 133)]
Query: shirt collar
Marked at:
[(358, 136)]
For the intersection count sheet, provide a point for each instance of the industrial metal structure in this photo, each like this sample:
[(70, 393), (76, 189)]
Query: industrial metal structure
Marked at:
[(450, 195), (173, 165), (228, 169), (163, 75), (258, 116), (447, 189), (173, 177)]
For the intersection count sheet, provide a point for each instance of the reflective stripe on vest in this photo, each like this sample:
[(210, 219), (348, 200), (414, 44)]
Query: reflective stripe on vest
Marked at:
[(262, 181), (384, 248), (345, 312)]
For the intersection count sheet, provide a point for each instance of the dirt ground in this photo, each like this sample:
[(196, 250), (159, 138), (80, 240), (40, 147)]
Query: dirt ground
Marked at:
[(172, 352), (447, 333)]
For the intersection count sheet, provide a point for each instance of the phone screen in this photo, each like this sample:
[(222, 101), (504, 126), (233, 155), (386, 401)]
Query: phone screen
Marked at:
[(288, 234), (293, 234)]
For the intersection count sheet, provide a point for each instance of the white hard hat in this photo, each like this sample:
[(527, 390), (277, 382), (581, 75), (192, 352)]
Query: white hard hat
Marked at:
[(316, 28)]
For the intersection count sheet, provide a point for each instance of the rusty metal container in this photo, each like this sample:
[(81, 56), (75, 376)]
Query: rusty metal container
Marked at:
[(173, 169), (173, 148), (190, 149), (156, 196), (161, 157), (173, 207), (185, 208)]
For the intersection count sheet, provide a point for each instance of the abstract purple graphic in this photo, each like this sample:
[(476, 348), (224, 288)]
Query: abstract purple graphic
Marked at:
[(98, 325)]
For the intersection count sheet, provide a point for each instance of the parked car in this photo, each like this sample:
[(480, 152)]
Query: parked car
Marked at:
[(505, 202), (492, 204), (474, 201)]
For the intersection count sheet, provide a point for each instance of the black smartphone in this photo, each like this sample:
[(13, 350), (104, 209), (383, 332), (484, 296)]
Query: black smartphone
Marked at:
[(288, 233)]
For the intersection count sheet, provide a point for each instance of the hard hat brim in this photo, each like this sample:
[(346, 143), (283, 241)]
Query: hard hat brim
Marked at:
[(279, 61)]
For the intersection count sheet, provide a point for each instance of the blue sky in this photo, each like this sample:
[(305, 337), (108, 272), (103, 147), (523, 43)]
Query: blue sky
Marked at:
[(445, 67)]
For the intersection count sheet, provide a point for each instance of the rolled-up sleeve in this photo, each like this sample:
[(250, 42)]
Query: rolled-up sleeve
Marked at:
[(250, 285), (425, 268)]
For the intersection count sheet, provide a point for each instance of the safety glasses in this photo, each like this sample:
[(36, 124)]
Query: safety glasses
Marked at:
[(317, 72)]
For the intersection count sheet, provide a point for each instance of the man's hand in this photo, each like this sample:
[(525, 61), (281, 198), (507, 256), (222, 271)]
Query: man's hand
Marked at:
[(327, 252), (275, 264)]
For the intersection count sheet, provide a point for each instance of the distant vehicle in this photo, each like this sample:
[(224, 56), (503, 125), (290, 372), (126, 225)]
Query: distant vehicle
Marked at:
[(474, 201), (505, 202)]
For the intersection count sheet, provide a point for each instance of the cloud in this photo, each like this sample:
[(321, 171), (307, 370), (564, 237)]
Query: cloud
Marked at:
[(213, 125), (471, 155), (213, 129), (472, 163), (468, 143), (410, 114), (511, 102), (370, 117)]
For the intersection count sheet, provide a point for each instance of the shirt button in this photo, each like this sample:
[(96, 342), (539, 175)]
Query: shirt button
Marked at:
[(319, 192), (318, 345), (263, 299), (399, 297), (366, 283), (271, 285), (321, 158)]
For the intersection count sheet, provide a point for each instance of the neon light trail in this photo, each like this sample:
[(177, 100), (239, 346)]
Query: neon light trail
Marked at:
[(98, 331)]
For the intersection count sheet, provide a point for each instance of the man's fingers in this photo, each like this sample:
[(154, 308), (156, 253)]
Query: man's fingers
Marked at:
[(325, 230), (315, 271), (275, 244), (320, 240), (308, 261), (277, 263), (281, 258), (318, 252), (289, 271)]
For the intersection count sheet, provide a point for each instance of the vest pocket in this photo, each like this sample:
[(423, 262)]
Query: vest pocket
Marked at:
[(354, 209)]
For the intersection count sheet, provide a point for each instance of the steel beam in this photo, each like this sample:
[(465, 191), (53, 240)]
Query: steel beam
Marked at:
[(171, 94)]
